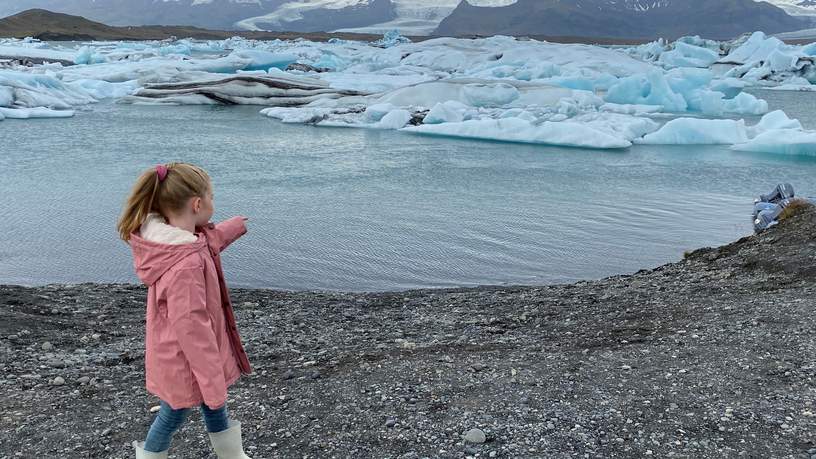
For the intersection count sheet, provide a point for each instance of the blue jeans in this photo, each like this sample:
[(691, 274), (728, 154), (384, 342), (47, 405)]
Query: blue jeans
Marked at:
[(169, 420)]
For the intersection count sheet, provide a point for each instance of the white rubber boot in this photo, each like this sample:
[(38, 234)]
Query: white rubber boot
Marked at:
[(227, 443), (142, 454)]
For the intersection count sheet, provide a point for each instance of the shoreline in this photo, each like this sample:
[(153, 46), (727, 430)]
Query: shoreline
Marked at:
[(710, 356)]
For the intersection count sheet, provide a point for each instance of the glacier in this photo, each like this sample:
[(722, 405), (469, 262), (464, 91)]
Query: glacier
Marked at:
[(691, 91)]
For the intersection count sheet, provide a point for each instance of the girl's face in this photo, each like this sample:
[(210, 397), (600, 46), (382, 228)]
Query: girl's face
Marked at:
[(206, 208)]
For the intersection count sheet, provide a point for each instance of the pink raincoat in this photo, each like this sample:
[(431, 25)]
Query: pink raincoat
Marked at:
[(193, 352)]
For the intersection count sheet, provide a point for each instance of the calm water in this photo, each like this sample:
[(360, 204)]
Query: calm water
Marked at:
[(369, 210)]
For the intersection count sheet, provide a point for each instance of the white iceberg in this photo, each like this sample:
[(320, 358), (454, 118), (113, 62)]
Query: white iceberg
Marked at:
[(36, 112), (781, 141), (695, 131), (565, 133)]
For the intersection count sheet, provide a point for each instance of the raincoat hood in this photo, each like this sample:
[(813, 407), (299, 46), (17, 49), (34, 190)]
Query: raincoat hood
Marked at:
[(158, 246)]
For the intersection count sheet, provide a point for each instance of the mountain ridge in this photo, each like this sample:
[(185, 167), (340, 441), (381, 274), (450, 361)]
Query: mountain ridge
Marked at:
[(723, 19), (595, 18)]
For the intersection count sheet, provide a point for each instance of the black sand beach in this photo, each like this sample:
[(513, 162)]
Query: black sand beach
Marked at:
[(712, 356)]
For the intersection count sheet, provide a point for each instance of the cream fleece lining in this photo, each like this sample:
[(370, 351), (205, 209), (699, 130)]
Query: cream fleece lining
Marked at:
[(156, 229)]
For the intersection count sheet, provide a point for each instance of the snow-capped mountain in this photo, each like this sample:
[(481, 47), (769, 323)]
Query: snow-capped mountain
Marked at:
[(608, 18), (719, 19), (796, 7)]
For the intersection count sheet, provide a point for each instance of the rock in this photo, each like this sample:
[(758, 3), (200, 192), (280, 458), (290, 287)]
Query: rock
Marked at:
[(288, 374), (46, 346), (390, 422), (155, 409), (58, 381), (314, 375), (475, 436), (83, 380)]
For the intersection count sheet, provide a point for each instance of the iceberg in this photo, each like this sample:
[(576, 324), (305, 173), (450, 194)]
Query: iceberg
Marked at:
[(240, 89), (776, 119), (395, 119), (781, 141), (686, 55), (36, 112), (695, 131), (648, 89), (446, 112), (27, 90), (564, 133)]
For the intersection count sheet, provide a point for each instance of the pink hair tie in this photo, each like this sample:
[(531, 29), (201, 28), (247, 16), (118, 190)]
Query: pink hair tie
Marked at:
[(161, 171)]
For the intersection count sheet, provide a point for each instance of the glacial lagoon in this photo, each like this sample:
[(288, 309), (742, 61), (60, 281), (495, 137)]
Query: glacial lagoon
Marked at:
[(361, 209)]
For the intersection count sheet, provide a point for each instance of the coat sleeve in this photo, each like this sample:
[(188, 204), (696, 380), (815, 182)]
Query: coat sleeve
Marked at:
[(188, 315), (230, 230)]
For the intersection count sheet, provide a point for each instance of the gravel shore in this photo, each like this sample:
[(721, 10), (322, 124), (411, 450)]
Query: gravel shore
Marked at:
[(712, 356)]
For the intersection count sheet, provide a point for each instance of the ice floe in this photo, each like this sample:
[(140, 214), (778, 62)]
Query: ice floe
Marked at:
[(497, 88)]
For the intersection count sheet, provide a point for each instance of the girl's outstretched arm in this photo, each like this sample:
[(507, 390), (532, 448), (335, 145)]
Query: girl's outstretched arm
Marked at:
[(187, 313), (229, 230)]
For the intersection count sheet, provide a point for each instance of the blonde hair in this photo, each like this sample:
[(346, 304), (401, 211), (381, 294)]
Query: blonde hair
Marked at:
[(149, 194)]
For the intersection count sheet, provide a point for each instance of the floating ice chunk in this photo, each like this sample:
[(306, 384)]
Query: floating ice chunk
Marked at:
[(478, 92), (630, 109), (757, 48), (395, 119), (391, 38), (372, 82), (6, 96), (375, 113), (695, 131), (35, 90), (618, 125), (519, 113), (776, 119), (489, 95), (35, 112), (782, 141), (264, 60), (713, 103), (685, 81), (46, 54), (330, 60), (780, 61), (446, 112), (277, 91), (297, 115), (745, 104), (648, 51), (563, 133), (86, 55), (578, 102), (730, 87), (650, 89), (686, 55), (103, 90)]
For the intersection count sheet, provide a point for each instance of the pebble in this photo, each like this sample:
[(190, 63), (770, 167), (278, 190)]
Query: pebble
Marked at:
[(46, 346), (288, 374), (475, 436), (58, 381), (83, 380), (155, 409), (390, 422)]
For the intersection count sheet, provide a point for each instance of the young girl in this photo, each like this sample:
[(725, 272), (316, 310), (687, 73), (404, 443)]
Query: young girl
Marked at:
[(193, 352)]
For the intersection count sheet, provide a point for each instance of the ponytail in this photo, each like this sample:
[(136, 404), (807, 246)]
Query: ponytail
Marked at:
[(152, 193)]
